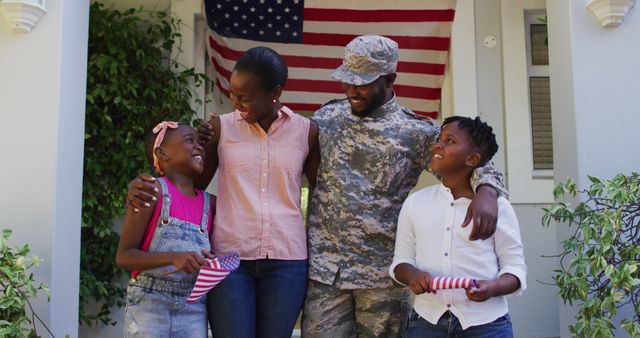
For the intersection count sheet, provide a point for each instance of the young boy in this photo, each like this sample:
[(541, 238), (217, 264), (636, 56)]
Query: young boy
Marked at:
[(430, 242)]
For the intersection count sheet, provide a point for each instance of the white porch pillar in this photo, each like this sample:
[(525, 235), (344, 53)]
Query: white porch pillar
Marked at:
[(595, 76), (42, 105)]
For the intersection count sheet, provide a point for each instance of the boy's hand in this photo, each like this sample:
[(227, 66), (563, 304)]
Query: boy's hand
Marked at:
[(420, 282), (484, 291), (205, 130), (142, 191), (188, 262), (483, 210)]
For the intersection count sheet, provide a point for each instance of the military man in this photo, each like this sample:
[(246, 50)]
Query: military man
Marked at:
[(373, 151)]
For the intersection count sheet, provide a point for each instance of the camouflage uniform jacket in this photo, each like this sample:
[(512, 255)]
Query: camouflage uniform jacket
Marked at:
[(369, 166)]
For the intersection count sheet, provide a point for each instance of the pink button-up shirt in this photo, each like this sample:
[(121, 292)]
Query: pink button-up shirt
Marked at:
[(259, 181)]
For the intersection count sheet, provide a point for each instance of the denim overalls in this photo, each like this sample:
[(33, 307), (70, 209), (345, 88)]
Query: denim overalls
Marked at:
[(156, 304)]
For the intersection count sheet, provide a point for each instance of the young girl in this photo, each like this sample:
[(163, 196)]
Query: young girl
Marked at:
[(163, 244), (260, 152)]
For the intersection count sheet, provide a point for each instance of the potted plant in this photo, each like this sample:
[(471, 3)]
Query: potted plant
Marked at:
[(599, 263), (17, 286)]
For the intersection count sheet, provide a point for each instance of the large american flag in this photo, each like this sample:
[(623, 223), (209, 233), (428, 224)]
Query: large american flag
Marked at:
[(311, 35), (212, 273)]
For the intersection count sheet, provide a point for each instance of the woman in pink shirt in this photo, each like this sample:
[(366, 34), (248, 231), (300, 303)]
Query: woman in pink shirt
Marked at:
[(260, 152)]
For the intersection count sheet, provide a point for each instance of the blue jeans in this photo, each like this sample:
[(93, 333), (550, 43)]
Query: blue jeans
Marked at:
[(262, 298), (449, 327)]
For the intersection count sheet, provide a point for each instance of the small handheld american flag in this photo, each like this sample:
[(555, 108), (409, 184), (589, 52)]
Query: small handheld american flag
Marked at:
[(439, 283), (212, 273)]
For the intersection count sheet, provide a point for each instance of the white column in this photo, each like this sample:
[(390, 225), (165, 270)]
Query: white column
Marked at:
[(595, 76), (42, 104)]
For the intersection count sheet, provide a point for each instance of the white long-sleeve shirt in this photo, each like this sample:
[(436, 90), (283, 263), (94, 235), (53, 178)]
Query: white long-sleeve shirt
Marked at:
[(430, 237)]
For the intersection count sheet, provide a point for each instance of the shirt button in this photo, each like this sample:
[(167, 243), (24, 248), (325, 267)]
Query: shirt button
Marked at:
[(264, 161), (448, 228), (446, 254), (263, 189), (451, 204), (448, 305), (265, 174)]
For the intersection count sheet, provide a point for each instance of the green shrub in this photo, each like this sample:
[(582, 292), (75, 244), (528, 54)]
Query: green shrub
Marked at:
[(132, 84), (599, 265), (17, 286)]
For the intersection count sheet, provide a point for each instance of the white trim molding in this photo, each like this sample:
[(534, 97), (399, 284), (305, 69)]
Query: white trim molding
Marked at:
[(525, 184), (22, 15), (610, 13)]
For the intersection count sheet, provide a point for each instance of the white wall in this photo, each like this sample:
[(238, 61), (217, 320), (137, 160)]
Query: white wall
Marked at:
[(594, 98), (534, 314), (42, 101)]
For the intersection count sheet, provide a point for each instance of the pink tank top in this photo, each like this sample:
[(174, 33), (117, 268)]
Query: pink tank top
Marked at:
[(182, 207)]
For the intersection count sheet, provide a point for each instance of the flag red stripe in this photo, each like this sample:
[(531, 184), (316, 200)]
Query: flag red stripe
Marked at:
[(224, 51), (336, 87), (312, 62), (221, 70), (222, 89), (407, 15), (417, 92), (404, 42), (421, 68), (330, 63)]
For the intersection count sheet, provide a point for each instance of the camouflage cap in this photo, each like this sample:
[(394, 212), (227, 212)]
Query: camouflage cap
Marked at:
[(366, 58)]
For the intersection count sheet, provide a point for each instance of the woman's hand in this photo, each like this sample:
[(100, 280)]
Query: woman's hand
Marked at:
[(205, 130)]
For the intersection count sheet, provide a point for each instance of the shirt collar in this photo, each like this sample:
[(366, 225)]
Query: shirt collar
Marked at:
[(286, 111)]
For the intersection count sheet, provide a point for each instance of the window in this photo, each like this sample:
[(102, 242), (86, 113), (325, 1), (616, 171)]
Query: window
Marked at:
[(539, 93), (527, 112)]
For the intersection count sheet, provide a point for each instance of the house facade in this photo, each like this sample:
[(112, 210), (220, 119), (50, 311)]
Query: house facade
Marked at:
[(565, 108)]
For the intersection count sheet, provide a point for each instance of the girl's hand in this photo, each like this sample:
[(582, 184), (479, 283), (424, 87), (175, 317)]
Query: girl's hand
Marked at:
[(484, 291), (205, 130), (207, 254), (142, 191), (420, 282), (188, 262)]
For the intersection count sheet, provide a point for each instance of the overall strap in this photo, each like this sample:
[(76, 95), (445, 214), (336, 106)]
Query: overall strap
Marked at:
[(206, 210), (166, 202)]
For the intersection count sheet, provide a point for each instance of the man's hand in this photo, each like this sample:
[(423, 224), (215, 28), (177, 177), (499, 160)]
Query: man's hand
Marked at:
[(420, 282), (483, 210), (142, 191), (484, 291), (205, 130)]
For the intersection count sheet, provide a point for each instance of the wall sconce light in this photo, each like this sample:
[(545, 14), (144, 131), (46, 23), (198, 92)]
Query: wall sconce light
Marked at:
[(610, 13), (22, 14)]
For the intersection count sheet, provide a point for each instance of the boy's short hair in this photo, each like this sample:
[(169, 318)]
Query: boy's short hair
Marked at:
[(480, 133)]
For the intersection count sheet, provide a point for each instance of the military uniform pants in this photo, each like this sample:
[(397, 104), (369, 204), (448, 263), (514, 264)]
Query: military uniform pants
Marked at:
[(337, 313)]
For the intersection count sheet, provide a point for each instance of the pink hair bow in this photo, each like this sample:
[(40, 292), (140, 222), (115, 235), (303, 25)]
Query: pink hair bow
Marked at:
[(161, 130)]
